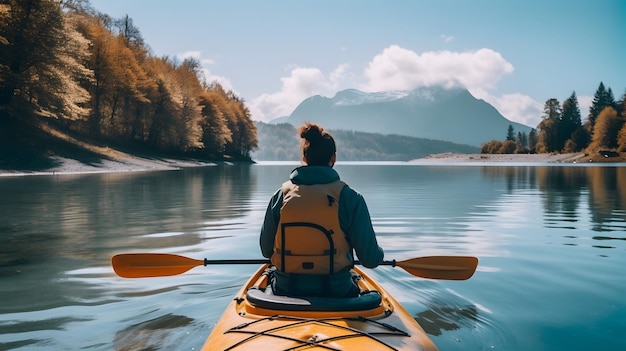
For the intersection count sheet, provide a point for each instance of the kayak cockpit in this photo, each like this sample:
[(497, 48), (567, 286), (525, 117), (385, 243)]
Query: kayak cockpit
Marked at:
[(266, 299), (259, 300)]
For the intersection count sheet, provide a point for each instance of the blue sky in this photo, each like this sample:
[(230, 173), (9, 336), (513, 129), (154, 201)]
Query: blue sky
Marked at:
[(514, 54)]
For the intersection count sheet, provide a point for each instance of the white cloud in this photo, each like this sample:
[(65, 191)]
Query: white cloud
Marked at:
[(515, 107), (299, 85), (400, 69)]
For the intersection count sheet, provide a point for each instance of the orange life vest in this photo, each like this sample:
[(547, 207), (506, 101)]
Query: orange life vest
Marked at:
[(309, 239)]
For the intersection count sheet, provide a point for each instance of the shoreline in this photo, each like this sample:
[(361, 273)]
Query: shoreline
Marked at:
[(121, 162), (449, 157)]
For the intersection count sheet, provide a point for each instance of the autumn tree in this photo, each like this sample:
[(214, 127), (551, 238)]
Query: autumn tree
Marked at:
[(621, 136), (118, 80), (215, 132), (41, 62), (605, 131)]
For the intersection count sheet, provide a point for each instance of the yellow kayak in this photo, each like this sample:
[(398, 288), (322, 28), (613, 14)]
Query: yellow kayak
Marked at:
[(257, 320)]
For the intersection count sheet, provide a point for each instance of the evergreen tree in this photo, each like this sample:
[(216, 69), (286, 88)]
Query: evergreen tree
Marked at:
[(510, 133), (601, 99), (570, 120), (532, 139), (548, 140)]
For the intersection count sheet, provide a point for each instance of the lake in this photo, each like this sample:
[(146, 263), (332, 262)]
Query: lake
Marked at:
[(551, 240)]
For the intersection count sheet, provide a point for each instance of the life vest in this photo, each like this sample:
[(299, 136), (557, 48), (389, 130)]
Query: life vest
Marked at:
[(309, 239)]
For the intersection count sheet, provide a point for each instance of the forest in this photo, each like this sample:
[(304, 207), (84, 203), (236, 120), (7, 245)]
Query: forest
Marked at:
[(562, 129), (64, 64)]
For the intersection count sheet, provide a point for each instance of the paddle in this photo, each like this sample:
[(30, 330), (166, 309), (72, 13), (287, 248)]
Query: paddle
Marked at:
[(142, 265)]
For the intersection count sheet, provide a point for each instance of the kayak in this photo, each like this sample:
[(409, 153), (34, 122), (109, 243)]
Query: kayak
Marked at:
[(257, 320)]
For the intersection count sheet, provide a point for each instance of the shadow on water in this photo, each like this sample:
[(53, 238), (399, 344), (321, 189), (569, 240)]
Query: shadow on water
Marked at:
[(441, 318), (149, 335)]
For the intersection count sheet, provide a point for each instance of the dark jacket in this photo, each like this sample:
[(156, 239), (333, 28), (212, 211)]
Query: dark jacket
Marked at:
[(355, 222)]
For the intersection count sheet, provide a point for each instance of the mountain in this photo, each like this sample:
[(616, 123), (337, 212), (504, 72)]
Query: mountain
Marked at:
[(452, 115)]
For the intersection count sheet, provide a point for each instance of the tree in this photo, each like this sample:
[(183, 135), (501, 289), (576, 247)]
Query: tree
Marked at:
[(491, 147), (621, 139), (510, 133), (580, 139), (532, 139), (606, 130), (570, 121), (507, 147), (522, 139), (215, 132), (601, 99), (548, 136), (41, 62)]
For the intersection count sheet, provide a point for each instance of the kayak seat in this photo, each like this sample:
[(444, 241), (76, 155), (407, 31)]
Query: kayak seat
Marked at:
[(266, 299)]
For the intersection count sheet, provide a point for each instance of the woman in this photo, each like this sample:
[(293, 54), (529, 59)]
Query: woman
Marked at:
[(314, 222)]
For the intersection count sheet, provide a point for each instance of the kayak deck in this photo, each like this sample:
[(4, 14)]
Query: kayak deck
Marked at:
[(258, 320)]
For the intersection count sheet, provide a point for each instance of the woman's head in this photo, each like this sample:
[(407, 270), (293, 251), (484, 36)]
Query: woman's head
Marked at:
[(318, 147)]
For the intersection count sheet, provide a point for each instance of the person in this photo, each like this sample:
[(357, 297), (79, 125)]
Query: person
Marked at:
[(313, 224)]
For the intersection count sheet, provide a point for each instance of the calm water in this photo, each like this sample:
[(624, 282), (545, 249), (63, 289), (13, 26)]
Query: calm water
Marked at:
[(551, 243)]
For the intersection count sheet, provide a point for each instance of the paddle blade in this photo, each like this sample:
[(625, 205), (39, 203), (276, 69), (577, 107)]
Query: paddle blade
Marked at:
[(441, 267), (140, 265)]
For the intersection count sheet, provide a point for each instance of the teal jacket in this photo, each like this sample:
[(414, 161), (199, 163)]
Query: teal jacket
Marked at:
[(355, 222)]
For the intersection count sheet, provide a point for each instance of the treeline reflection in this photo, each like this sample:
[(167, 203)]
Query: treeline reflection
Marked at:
[(45, 217), (573, 193)]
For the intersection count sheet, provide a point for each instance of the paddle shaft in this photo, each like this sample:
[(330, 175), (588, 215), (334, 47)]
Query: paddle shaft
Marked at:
[(159, 265), (264, 261)]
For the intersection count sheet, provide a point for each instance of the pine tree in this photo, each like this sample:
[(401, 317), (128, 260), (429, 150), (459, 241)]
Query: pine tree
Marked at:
[(570, 120), (532, 139), (510, 133), (548, 138), (601, 99)]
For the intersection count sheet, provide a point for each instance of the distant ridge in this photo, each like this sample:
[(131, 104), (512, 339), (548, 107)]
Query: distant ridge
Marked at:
[(436, 113), (279, 142)]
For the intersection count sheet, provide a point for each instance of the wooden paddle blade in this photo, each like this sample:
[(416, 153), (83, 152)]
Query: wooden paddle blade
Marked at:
[(441, 267), (139, 265)]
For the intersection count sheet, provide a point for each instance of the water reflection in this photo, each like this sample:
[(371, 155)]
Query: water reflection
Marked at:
[(571, 195)]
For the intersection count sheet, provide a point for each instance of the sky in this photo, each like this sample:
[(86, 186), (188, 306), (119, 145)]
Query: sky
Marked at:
[(514, 54)]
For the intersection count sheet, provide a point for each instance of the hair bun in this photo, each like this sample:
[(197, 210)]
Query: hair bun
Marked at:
[(311, 132)]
